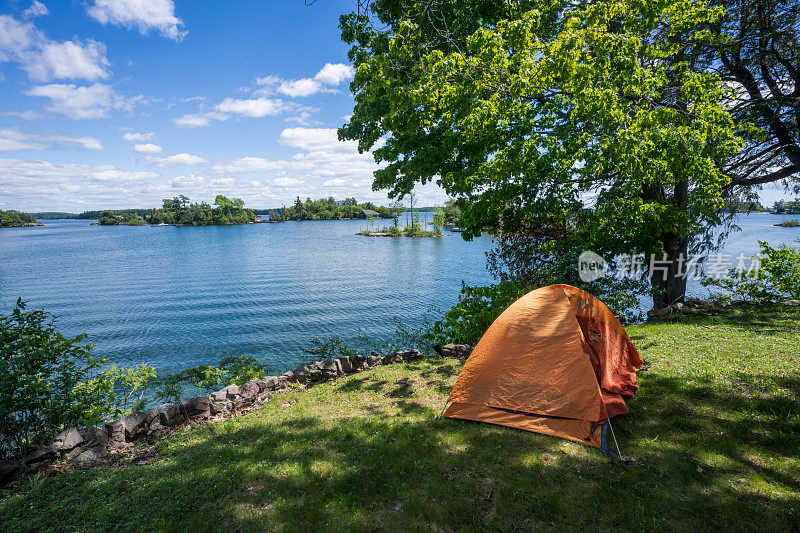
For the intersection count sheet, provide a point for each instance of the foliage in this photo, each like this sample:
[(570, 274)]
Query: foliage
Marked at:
[(238, 369), (788, 207), (777, 279), (323, 348), (115, 218), (11, 219), (439, 219), (793, 223), (759, 58), (125, 388), (477, 308), (519, 110), (50, 381), (180, 210), (329, 209)]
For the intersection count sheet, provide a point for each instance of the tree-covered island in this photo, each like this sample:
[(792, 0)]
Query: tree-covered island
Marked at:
[(181, 211), (15, 219)]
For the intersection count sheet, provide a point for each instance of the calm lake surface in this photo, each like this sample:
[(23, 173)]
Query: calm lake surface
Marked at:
[(179, 297)]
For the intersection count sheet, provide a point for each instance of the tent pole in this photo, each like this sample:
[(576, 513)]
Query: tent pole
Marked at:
[(615, 439), (443, 408)]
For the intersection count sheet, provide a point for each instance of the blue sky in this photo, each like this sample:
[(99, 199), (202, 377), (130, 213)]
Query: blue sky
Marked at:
[(120, 103)]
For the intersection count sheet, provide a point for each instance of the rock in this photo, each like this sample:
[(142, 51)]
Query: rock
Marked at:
[(315, 375), (456, 350), (373, 360), (300, 373), (8, 470), (232, 391), (249, 391), (331, 368), (270, 382), (93, 435), (346, 364), (44, 453), (202, 407), (91, 455), (218, 396), (72, 454), (358, 360), (162, 416), (170, 414), (659, 314), (290, 377), (66, 440), (392, 358), (133, 424), (116, 431), (790, 303), (199, 407), (264, 395)]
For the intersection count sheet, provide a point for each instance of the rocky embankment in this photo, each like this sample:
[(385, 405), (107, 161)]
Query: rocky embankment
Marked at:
[(80, 447)]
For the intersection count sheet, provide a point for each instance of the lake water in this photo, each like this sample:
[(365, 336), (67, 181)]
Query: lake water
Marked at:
[(179, 297)]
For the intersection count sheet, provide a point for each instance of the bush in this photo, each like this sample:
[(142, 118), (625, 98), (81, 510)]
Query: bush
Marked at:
[(777, 279), (238, 369), (50, 382)]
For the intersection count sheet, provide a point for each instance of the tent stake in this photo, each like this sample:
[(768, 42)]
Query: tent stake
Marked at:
[(615, 439)]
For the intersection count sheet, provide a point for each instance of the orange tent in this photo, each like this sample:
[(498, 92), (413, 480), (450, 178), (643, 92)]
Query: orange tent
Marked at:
[(557, 361)]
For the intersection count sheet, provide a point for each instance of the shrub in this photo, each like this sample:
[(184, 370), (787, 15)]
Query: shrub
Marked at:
[(323, 348), (777, 279), (238, 369), (50, 381)]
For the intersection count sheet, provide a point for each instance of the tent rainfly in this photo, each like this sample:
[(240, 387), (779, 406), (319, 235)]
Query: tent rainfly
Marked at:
[(557, 362)]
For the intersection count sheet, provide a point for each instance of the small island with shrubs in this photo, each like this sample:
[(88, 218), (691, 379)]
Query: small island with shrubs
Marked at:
[(15, 219), (791, 223), (442, 218)]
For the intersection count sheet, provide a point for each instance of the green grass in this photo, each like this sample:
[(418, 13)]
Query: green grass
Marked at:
[(711, 442)]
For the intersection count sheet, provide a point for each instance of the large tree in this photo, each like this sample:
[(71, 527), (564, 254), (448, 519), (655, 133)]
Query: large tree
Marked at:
[(761, 60), (587, 114)]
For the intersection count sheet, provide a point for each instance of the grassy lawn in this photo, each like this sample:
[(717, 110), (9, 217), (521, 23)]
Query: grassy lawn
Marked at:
[(712, 442)]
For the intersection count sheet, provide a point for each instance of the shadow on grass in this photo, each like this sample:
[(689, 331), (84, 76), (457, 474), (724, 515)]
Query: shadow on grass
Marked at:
[(703, 457)]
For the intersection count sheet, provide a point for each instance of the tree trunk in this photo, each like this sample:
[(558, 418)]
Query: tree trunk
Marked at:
[(668, 278)]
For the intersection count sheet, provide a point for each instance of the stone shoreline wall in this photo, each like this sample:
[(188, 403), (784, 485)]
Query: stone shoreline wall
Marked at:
[(85, 446)]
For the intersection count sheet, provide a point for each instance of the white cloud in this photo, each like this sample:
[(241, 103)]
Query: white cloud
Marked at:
[(287, 182), (43, 185), (192, 120), (330, 75), (325, 139), (222, 182), (196, 120), (69, 60), (148, 148), (252, 164), (37, 9), (177, 159), (334, 73), (44, 59), (258, 107), (143, 15), (336, 182), (184, 182), (94, 101), (299, 88), (138, 137)]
